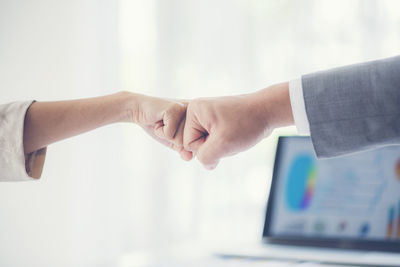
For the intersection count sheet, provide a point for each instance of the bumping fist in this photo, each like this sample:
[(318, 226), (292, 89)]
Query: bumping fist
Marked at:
[(162, 119), (213, 128), (224, 126)]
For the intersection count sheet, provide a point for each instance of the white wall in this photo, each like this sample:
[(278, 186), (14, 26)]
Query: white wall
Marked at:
[(115, 191), (52, 50)]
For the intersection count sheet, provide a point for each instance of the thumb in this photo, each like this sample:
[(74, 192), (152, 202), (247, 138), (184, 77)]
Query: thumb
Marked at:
[(194, 136), (168, 127)]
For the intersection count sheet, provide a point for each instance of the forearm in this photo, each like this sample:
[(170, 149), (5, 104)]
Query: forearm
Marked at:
[(49, 122)]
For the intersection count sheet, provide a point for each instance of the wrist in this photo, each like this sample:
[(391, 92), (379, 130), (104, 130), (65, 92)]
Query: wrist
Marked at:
[(274, 106), (128, 106)]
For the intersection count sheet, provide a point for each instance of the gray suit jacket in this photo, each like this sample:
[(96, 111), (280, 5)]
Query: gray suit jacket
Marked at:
[(354, 108)]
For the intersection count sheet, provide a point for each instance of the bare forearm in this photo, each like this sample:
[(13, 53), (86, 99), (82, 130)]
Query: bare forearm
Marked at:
[(49, 122)]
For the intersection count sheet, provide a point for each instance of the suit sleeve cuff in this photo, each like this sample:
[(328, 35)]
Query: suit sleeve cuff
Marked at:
[(298, 106)]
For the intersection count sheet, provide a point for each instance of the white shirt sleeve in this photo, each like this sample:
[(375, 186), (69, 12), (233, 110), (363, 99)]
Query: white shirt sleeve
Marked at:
[(14, 165), (298, 106)]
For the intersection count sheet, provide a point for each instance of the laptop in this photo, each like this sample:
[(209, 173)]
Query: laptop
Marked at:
[(343, 210)]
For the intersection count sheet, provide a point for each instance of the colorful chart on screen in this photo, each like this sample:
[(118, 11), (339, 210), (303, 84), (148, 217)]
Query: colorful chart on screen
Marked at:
[(352, 196), (300, 183)]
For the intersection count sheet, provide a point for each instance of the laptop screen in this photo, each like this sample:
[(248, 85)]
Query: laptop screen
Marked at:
[(354, 197)]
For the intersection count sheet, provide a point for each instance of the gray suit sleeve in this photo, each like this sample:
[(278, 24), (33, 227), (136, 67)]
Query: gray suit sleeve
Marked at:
[(354, 108)]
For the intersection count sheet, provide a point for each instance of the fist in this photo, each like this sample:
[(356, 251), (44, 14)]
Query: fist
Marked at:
[(223, 126), (162, 119)]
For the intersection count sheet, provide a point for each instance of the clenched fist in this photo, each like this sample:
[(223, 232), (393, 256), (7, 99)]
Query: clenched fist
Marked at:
[(223, 126), (163, 119)]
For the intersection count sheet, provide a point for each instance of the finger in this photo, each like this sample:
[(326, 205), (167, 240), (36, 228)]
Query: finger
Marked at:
[(152, 132), (171, 121), (178, 138), (194, 134), (197, 141), (185, 155)]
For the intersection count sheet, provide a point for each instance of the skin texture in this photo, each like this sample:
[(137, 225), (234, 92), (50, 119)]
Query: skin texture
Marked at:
[(224, 126), (210, 128), (49, 122)]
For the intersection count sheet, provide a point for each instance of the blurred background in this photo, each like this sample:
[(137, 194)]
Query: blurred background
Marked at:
[(113, 192)]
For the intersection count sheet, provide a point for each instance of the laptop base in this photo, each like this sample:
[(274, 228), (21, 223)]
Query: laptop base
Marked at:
[(320, 255)]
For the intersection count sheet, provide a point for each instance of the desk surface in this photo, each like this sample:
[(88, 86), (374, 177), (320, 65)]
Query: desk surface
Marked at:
[(238, 262), (196, 255), (197, 258)]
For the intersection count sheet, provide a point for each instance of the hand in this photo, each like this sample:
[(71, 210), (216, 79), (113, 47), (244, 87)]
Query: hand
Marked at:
[(49, 122), (224, 126), (162, 119)]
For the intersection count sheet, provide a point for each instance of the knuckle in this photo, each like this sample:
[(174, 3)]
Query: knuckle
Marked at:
[(187, 145), (178, 141), (177, 108), (174, 113)]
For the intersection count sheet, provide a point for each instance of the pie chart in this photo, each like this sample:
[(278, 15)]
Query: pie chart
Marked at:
[(300, 183)]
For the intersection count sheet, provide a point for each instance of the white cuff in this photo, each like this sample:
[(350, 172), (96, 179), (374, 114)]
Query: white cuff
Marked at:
[(298, 106), (13, 165)]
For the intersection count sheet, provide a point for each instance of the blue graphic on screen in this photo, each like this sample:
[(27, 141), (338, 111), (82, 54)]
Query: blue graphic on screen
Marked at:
[(300, 183), (353, 196)]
